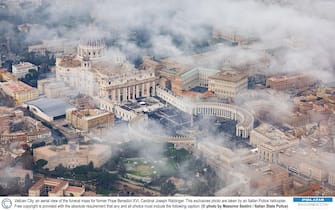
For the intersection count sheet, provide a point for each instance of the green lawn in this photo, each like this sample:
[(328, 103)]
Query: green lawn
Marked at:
[(146, 168)]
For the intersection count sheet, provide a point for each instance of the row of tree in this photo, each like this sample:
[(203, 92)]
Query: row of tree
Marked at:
[(31, 78)]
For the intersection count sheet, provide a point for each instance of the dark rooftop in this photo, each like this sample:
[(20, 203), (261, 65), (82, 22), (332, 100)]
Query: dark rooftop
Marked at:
[(51, 106)]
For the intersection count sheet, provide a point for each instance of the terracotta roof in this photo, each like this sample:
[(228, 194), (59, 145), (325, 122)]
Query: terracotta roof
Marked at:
[(75, 189), (17, 86), (48, 181), (59, 186), (90, 193), (232, 76)]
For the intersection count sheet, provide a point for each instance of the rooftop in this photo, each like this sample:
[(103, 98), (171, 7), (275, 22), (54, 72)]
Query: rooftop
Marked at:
[(58, 186), (170, 71), (231, 76), (70, 61), (5, 75), (52, 150), (75, 189), (16, 86), (286, 77), (24, 65), (46, 181), (110, 68), (51, 106), (198, 70), (89, 113), (273, 133), (312, 156)]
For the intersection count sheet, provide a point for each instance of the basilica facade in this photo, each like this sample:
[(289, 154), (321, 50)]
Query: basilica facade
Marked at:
[(110, 78)]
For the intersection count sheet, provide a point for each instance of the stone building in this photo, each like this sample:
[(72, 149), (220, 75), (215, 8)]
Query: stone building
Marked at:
[(19, 91), (269, 151), (287, 82), (53, 88), (73, 155), (95, 75), (268, 179), (20, 70), (270, 142), (40, 49), (307, 162), (15, 127), (89, 118), (122, 86), (184, 78), (228, 83), (54, 187), (6, 76), (196, 77)]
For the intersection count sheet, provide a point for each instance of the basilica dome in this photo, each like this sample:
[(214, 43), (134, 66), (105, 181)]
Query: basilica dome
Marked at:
[(91, 46)]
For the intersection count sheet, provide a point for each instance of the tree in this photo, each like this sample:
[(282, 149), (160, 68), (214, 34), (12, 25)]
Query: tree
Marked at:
[(33, 73), (60, 170), (90, 166), (28, 77), (27, 184), (168, 188), (8, 65), (31, 78), (105, 181), (41, 163), (199, 187), (27, 160), (44, 68), (83, 169), (121, 168), (2, 191)]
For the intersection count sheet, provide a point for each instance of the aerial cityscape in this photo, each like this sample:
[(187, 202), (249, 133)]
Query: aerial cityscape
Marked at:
[(167, 98)]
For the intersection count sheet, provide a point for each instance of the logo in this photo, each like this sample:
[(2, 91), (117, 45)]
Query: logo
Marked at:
[(6, 203)]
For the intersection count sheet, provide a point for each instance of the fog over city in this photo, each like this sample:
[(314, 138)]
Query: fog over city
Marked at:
[(272, 39), (175, 28)]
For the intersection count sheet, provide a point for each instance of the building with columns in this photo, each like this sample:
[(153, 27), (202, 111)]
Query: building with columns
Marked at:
[(121, 86), (245, 120), (112, 79)]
